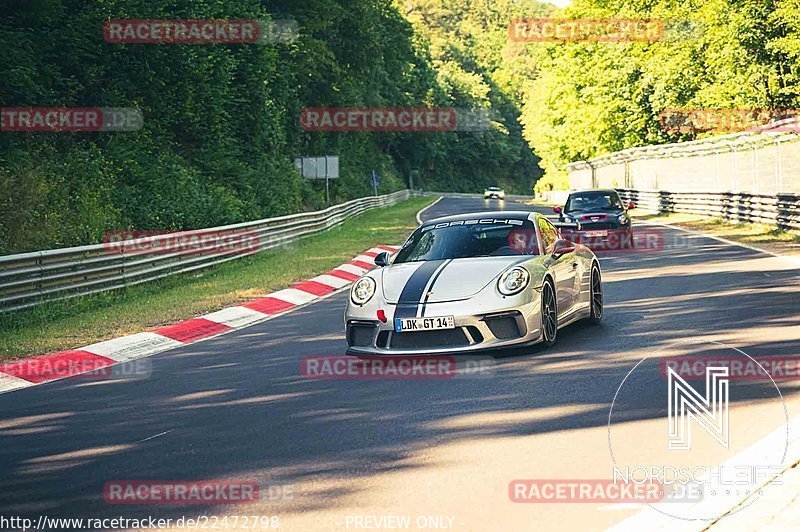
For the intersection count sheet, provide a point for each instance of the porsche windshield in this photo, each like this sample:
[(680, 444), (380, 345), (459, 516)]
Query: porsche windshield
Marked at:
[(594, 201), (467, 239)]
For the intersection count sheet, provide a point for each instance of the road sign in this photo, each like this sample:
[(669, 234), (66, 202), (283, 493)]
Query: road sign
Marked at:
[(325, 167)]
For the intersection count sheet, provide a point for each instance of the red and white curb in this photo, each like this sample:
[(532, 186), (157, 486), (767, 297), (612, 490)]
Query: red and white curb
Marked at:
[(47, 368)]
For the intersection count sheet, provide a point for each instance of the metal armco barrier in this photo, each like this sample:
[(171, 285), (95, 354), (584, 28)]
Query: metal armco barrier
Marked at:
[(30, 279), (512, 197), (780, 210), (758, 163), (752, 176)]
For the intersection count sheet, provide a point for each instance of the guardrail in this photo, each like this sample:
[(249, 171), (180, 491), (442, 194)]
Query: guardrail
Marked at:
[(30, 279), (780, 210), (513, 197), (764, 163)]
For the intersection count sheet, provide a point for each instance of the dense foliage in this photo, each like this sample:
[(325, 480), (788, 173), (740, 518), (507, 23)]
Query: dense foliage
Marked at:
[(221, 122), (594, 98)]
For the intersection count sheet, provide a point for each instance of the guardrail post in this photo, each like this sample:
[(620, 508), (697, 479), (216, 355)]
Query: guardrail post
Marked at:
[(664, 203)]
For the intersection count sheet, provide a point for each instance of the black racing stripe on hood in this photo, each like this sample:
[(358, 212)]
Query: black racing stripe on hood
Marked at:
[(409, 301), (427, 296)]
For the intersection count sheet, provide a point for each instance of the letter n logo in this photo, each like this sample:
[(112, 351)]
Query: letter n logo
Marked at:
[(710, 412)]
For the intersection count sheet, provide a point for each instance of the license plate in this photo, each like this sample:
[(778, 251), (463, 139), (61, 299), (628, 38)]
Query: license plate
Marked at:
[(596, 233), (424, 324)]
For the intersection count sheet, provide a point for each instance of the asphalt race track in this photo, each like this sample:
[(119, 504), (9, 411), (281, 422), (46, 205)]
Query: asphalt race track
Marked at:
[(237, 407)]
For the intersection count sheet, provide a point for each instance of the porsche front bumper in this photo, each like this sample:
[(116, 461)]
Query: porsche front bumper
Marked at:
[(512, 322)]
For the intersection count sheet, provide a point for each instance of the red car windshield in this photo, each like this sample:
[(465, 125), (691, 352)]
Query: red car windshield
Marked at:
[(593, 201)]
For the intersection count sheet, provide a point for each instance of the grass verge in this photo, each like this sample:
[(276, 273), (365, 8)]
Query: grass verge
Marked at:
[(85, 320), (761, 236)]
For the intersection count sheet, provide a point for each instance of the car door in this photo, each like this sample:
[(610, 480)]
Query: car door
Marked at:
[(564, 269)]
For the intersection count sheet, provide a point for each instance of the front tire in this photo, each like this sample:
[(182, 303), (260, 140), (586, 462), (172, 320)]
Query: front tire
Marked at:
[(596, 295), (549, 314)]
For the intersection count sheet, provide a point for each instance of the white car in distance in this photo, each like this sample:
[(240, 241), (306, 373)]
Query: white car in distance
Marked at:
[(494, 193)]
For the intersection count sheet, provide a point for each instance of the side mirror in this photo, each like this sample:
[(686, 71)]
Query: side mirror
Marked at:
[(631, 205), (382, 259), (563, 247), (557, 209)]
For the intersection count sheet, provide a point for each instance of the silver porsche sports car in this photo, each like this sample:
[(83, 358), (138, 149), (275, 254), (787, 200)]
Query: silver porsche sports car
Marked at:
[(472, 282)]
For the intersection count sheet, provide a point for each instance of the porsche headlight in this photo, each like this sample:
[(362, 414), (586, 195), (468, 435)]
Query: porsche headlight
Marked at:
[(623, 219), (513, 281), (362, 290)]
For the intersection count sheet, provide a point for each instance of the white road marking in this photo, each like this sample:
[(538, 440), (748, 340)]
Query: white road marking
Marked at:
[(351, 269), (293, 295), (156, 435), (144, 344), (758, 453), (133, 346), (9, 382), (419, 214), (235, 316), (793, 260), (330, 280), (379, 250)]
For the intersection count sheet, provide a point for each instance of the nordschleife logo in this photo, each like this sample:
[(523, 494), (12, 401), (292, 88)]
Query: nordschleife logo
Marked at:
[(685, 404)]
